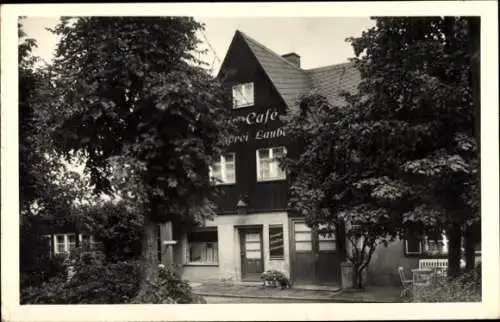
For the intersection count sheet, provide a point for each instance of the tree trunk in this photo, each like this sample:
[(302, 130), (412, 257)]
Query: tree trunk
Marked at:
[(149, 254), (454, 250), (474, 25), (357, 277), (470, 248)]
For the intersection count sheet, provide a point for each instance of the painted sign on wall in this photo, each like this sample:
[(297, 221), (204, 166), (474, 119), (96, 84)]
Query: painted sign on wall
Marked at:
[(271, 115)]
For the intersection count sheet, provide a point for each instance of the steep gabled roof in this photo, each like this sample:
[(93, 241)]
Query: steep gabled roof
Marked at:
[(289, 80)]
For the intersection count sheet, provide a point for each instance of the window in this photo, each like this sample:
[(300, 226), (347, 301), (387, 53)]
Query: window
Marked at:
[(326, 242), (64, 243), (268, 167), (224, 170), (276, 248), (302, 237), (87, 243), (202, 247), (243, 95), (426, 245), (413, 246)]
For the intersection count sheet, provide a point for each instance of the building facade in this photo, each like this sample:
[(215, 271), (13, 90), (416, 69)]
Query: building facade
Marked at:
[(255, 231)]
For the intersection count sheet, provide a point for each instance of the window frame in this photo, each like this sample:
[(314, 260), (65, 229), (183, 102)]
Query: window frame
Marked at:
[(423, 245), (94, 245), (242, 85), (271, 157), (187, 259), (408, 253), (65, 243), (223, 170), (277, 226)]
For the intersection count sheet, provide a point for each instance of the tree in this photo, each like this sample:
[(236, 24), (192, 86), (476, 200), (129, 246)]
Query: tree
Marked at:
[(417, 73), (401, 157), (131, 89), (35, 167), (332, 181)]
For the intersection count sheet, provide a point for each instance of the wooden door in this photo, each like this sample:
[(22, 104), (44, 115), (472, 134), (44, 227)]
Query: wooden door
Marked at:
[(315, 257), (252, 264), (328, 260), (304, 262)]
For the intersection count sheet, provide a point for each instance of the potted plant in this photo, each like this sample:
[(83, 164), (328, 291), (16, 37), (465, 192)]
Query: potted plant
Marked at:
[(274, 278)]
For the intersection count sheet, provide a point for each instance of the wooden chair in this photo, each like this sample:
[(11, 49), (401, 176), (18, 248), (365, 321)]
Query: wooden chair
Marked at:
[(405, 283)]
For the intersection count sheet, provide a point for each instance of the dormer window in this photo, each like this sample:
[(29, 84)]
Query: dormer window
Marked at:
[(243, 95)]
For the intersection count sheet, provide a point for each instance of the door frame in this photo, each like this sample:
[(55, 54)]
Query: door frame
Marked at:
[(242, 230), (315, 246)]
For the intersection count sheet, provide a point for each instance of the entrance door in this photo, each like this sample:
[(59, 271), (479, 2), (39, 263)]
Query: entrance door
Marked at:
[(315, 257), (252, 264)]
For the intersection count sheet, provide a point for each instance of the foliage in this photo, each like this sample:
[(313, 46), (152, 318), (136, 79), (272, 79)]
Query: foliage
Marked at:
[(464, 288), (167, 288), (275, 276), (134, 94), (416, 93), (98, 282), (117, 227), (42, 270), (52, 291), (94, 282), (401, 153), (130, 93)]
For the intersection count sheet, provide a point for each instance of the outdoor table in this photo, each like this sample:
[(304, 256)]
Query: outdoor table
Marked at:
[(421, 277), (425, 277)]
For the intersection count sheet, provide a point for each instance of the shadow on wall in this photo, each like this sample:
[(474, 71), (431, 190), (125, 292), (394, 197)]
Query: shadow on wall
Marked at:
[(383, 268)]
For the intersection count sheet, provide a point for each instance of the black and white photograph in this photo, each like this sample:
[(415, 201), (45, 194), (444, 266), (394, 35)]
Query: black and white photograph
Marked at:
[(194, 158)]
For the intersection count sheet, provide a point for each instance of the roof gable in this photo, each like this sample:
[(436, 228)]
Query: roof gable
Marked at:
[(291, 81)]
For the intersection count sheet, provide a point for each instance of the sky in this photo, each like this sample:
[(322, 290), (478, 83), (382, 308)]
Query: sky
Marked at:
[(319, 41)]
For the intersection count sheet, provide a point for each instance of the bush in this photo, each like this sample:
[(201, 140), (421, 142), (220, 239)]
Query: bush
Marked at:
[(42, 270), (465, 288), (96, 282), (274, 276), (167, 288), (93, 282), (51, 292)]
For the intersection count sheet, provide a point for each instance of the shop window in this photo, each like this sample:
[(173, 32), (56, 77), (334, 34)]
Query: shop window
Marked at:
[(276, 243), (202, 247), (268, 167), (243, 95), (224, 170)]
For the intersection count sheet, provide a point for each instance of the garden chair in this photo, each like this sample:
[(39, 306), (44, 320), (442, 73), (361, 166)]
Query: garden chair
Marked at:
[(405, 283)]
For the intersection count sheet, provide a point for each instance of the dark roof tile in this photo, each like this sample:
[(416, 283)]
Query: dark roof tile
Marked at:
[(291, 81)]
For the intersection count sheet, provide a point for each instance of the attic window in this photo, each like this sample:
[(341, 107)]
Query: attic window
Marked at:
[(243, 95)]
